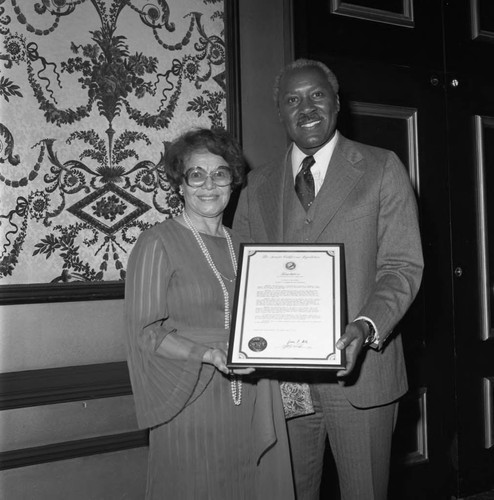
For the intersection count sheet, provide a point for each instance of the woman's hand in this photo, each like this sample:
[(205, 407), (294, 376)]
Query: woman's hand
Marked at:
[(217, 358)]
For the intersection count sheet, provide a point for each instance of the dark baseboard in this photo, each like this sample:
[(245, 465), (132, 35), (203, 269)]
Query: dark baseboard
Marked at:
[(61, 292), (72, 449), (61, 385)]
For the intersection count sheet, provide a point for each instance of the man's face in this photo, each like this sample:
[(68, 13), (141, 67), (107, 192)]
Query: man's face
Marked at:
[(308, 107)]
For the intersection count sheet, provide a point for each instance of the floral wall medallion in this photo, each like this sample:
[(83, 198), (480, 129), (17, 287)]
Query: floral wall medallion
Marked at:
[(91, 92)]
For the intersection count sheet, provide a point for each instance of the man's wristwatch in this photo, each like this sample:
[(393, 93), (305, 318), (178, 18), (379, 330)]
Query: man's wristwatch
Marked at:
[(372, 337)]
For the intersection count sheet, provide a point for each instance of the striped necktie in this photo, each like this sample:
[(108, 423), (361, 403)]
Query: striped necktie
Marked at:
[(304, 183)]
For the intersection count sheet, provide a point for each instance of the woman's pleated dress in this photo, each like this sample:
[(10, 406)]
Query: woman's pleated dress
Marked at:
[(202, 446)]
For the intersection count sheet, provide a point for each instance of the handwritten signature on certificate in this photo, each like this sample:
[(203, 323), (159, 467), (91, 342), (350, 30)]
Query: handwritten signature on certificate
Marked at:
[(296, 344)]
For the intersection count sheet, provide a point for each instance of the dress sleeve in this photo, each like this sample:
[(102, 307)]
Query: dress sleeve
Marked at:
[(161, 386)]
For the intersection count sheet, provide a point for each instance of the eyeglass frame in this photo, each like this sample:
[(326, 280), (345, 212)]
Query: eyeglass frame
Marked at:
[(210, 174)]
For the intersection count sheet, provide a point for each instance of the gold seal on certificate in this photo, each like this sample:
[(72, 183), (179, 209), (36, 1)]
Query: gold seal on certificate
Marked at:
[(288, 307)]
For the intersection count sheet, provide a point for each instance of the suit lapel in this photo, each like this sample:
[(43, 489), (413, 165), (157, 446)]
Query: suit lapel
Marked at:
[(341, 177)]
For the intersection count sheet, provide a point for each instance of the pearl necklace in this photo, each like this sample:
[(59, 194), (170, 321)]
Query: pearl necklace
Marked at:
[(235, 382)]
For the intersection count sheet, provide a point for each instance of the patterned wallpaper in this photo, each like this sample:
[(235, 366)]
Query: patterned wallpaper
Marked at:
[(91, 91)]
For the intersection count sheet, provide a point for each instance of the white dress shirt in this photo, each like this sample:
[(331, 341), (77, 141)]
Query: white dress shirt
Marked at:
[(321, 157)]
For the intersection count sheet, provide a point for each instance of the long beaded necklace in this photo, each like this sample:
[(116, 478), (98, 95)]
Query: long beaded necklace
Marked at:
[(235, 382)]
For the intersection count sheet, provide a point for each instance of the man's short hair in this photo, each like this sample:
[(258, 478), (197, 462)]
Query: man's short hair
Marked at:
[(304, 63)]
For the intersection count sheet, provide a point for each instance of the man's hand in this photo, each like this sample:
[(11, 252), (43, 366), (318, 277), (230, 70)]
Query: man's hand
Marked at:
[(352, 341)]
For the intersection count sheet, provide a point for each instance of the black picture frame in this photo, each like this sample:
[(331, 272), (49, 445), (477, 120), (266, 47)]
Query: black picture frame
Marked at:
[(259, 337)]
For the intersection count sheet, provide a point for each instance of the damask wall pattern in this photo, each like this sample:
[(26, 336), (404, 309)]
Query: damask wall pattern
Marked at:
[(91, 92)]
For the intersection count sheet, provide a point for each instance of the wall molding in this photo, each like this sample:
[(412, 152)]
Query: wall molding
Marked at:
[(60, 292), (405, 18), (488, 393), (73, 449), (61, 385), (475, 24), (410, 116), (232, 42), (412, 420), (480, 123)]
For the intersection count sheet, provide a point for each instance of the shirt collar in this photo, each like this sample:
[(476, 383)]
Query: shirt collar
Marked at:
[(322, 157)]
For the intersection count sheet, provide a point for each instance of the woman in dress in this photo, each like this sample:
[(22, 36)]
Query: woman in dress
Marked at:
[(214, 433)]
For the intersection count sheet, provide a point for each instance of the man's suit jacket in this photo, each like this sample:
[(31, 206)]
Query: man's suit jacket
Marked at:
[(367, 203)]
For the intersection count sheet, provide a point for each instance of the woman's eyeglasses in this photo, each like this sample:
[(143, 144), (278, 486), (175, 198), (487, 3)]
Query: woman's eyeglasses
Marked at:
[(197, 176)]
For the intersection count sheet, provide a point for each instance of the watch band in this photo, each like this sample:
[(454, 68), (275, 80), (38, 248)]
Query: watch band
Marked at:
[(372, 337)]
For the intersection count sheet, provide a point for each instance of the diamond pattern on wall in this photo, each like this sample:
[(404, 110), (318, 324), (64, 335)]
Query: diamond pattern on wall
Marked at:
[(109, 209)]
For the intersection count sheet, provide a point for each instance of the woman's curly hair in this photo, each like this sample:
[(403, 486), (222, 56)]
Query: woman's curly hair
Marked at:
[(217, 141)]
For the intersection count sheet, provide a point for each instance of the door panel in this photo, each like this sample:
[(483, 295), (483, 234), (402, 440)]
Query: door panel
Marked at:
[(469, 86)]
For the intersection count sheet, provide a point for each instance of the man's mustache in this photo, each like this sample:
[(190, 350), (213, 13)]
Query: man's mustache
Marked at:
[(306, 118)]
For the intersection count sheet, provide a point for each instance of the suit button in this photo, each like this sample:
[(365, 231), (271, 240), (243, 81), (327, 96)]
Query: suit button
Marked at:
[(308, 221)]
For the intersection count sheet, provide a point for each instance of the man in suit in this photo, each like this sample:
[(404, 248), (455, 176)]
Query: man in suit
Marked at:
[(360, 196)]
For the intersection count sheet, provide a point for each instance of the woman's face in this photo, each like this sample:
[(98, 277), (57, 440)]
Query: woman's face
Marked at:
[(209, 200)]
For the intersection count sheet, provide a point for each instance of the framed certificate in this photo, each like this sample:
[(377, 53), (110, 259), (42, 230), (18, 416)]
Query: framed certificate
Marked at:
[(288, 307)]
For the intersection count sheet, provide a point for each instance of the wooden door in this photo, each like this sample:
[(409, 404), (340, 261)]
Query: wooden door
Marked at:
[(469, 84), (389, 58)]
